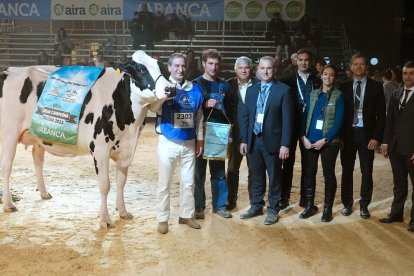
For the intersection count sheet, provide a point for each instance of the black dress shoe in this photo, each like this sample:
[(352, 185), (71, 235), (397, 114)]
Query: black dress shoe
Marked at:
[(326, 215), (251, 214), (308, 212), (364, 213), (346, 211), (390, 219), (410, 227), (283, 204)]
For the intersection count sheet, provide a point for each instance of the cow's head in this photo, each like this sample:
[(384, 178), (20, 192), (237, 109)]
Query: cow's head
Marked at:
[(147, 75)]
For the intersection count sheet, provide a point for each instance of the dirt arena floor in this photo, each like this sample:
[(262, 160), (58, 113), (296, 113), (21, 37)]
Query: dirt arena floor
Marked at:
[(61, 236)]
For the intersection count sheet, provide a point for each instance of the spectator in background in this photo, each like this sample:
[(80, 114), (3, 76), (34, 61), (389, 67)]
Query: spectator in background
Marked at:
[(160, 26), (283, 42), (276, 27), (192, 71), (57, 59), (135, 30), (311, 47), (278, 67), (175, 27), (187, 28), (62, 42), (123, 61), (298, 39), (43, 58), (319, 64), (146, 20), (99, 62), (292, 67), (389, 86)]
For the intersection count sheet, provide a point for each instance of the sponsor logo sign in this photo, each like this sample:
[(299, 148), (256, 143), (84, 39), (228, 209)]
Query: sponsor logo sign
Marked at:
[(87, 10)]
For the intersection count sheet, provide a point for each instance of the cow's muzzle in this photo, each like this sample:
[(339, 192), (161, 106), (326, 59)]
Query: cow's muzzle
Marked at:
[(170, 92)]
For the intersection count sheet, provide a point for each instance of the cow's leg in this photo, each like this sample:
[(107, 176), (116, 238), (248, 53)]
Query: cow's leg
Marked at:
[(121, 177), (38, 153), (102, 169), (7, 156)]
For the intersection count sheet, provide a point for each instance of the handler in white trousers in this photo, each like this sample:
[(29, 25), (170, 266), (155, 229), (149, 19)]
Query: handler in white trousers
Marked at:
[(179, 143)]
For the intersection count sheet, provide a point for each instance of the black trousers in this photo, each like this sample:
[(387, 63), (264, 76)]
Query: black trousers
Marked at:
[(233, 171), (402, 167), (328, 154), (358, 143)]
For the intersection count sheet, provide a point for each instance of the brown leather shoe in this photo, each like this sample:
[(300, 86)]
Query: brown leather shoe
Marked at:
[(191, 222), (198, 214), (163, 227)]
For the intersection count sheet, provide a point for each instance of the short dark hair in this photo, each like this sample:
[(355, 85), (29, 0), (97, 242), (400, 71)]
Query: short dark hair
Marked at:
[(409, 64), (305, 51), (388, 74), (211, 53), (359, 56)]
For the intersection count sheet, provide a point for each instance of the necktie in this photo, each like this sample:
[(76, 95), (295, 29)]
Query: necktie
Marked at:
[(404, 102), (357, 101), (260, 109)]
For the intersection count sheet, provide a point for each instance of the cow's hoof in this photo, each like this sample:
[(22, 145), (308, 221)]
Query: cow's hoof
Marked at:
[(126, 216), (10, 209), (47, 196)]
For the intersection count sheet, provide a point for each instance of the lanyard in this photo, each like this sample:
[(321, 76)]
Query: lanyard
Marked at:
[(300, 90)]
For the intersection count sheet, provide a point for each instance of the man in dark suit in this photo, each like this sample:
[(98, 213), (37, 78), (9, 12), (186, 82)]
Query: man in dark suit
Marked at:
[(398, 144), (266, 126), (302, 82), (361, 132), (238, 86)]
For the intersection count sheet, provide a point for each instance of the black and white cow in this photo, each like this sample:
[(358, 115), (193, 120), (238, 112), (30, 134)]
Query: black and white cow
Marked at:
[(110, 123)]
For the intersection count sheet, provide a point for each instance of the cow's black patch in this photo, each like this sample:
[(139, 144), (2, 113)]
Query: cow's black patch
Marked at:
[(85, 102), (106, 139), (89, 118), (114, 147), (96, 165), (39, 89), (3, 77), (103, 123), (92, 146), (117, 143), (27, 88), (122, 104)]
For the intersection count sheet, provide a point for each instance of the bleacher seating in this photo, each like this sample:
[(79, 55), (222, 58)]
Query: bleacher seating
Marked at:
[(20, 48)]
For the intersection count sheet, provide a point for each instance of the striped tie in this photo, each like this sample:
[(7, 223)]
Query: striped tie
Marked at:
[(260, 109)]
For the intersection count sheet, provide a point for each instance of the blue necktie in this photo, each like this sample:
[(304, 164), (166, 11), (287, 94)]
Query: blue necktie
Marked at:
[(260, 109)]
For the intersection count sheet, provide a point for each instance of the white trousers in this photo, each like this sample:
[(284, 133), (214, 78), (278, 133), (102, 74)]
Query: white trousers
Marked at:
[(169, 155)]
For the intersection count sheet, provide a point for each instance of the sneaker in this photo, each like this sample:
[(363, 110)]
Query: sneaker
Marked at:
[(198, 215), (271, 218), (251, 213), (190, 222), (163, 227), (223, 213)]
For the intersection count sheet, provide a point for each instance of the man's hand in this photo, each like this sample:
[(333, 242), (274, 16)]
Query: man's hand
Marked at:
[(283, 153), (199, 148), (243, 149), (384, 150), (211, 103), (372, 144)]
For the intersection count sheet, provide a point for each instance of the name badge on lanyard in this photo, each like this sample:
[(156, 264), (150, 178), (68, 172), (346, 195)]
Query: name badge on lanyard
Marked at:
[(319, 124), (260, 118)]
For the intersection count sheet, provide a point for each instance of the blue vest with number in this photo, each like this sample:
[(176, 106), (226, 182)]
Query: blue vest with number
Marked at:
[(178, 119)]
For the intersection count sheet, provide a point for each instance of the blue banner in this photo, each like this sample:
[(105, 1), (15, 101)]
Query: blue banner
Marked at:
[(25, 9), (56, 117), (195, 10)]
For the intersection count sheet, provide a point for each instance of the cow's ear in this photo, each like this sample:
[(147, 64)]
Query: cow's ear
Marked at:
[(127, 68)]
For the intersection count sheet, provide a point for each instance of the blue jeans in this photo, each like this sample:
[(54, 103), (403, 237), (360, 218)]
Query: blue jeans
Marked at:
[(219, 189)]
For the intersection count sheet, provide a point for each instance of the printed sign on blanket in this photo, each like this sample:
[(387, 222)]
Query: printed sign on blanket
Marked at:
[(56, 117), (216, 140)]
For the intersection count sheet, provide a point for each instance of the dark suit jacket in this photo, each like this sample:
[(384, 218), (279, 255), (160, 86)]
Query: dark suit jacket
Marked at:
[(278, 117), (373, 110), (399, 128), (234, 100), (291, 81)]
